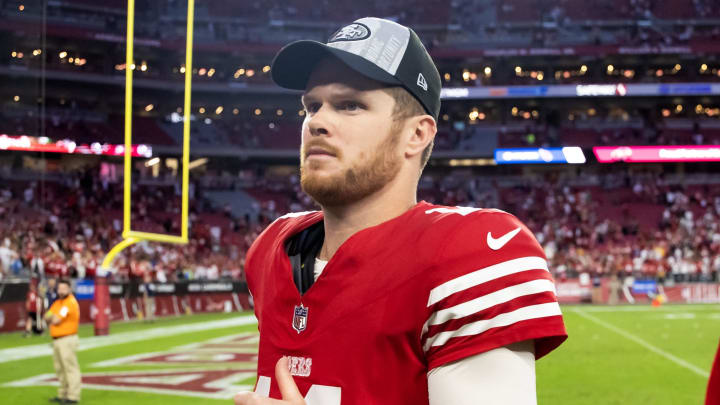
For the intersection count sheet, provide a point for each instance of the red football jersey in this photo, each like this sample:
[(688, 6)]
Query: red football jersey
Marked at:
[(57, 268), (713, 389), (434, 285)]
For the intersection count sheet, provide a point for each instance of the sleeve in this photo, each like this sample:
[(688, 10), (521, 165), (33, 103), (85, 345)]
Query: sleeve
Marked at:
[(505, 375), (491, 287)]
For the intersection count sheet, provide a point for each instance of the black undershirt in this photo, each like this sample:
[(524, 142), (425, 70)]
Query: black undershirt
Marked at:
[(302, 249)]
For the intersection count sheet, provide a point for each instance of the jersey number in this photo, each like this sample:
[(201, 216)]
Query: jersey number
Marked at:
[(316, 395)]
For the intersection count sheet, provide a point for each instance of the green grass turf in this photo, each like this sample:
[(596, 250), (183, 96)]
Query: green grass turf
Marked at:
[(595, 365), (599, 366), (15, 339), (17, 370)]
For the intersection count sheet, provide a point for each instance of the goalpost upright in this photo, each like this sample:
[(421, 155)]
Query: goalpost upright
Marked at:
[(130, 237)]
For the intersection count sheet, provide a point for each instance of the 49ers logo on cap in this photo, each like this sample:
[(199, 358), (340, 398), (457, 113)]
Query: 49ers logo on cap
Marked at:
[(352, 32)]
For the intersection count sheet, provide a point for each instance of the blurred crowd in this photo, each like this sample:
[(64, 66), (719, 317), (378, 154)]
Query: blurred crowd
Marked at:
[(638, 224), (628, 224), (64, 230)]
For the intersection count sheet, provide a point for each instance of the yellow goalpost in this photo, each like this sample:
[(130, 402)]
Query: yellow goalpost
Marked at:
[(129, 236)]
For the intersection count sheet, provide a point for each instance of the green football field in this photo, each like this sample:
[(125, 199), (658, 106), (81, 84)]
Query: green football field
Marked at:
[(615, 355)]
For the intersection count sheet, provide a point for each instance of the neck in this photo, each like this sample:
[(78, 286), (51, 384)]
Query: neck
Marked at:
[(341, 222)]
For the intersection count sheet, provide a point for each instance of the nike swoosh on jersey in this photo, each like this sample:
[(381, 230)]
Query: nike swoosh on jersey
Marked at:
[(496, 244)]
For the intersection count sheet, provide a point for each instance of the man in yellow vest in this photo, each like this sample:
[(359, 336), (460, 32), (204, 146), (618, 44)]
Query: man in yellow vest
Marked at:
[(63, 318)]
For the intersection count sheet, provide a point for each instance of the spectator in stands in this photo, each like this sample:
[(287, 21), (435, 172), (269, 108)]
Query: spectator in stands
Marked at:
[(7, 257)]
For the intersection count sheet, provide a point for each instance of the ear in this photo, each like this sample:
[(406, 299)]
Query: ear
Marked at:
[(422, 130)]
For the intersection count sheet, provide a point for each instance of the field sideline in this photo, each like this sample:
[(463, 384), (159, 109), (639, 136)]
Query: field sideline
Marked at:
[(615, 355)]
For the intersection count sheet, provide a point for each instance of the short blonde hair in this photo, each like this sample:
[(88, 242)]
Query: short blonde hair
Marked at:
[(407, 106)]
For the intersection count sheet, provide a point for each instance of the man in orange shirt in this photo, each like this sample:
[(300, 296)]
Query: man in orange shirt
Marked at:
[(63, 318)]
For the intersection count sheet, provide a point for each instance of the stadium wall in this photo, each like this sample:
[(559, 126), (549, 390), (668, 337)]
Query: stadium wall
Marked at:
[(127, 302), (573, 291)]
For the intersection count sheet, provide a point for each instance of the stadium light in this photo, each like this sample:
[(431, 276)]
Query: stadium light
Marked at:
[(202, 71), (16, 99), (211, 72), (703, 68), (583, 69), (487, 71), (37, 52), (610, 68), (21, 7), (236, 111), (279, 112), (197, 163), (201, 110), (152, 162), (149, 107), (258, 111), (266, 68), (219, 110), (182, 69), (447, 77), (250, 73), (518, 70), (62, 54)]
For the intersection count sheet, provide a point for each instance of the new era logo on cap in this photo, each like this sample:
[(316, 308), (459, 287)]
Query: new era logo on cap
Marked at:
[(421, 81)]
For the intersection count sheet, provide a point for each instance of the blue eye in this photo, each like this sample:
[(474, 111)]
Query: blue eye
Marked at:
[(313, 107), (351, 106)]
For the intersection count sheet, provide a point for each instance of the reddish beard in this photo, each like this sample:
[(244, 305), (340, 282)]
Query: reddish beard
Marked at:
[(362, 179)]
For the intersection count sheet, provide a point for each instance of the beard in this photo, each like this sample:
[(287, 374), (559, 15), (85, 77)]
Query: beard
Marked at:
[(361, 179)]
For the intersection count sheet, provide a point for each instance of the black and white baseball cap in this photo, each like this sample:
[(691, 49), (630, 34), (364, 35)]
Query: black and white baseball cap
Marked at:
[(379, 49)]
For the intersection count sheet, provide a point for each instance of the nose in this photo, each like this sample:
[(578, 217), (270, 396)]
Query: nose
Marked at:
[(317, 122)]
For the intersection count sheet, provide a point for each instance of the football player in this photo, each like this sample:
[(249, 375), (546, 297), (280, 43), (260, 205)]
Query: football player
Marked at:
[(378, 298)]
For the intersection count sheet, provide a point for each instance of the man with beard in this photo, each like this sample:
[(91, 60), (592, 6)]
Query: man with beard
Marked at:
[(379, 299), (64, 318)]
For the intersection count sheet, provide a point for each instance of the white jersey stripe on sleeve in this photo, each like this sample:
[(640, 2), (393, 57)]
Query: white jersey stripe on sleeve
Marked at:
[(490, 300), (508, 318), (484, 275)]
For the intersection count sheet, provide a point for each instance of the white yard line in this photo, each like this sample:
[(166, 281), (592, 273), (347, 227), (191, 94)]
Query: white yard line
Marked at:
[(645, 308), (86, 343), (630, 336)]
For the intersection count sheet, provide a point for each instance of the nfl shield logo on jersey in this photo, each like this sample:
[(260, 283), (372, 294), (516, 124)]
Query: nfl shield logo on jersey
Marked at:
[(299, 322)]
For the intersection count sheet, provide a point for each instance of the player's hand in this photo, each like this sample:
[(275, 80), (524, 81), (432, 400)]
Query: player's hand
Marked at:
[(289, 391)]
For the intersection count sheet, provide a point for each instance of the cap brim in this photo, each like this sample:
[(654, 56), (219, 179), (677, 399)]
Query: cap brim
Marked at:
[(295, 62)]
